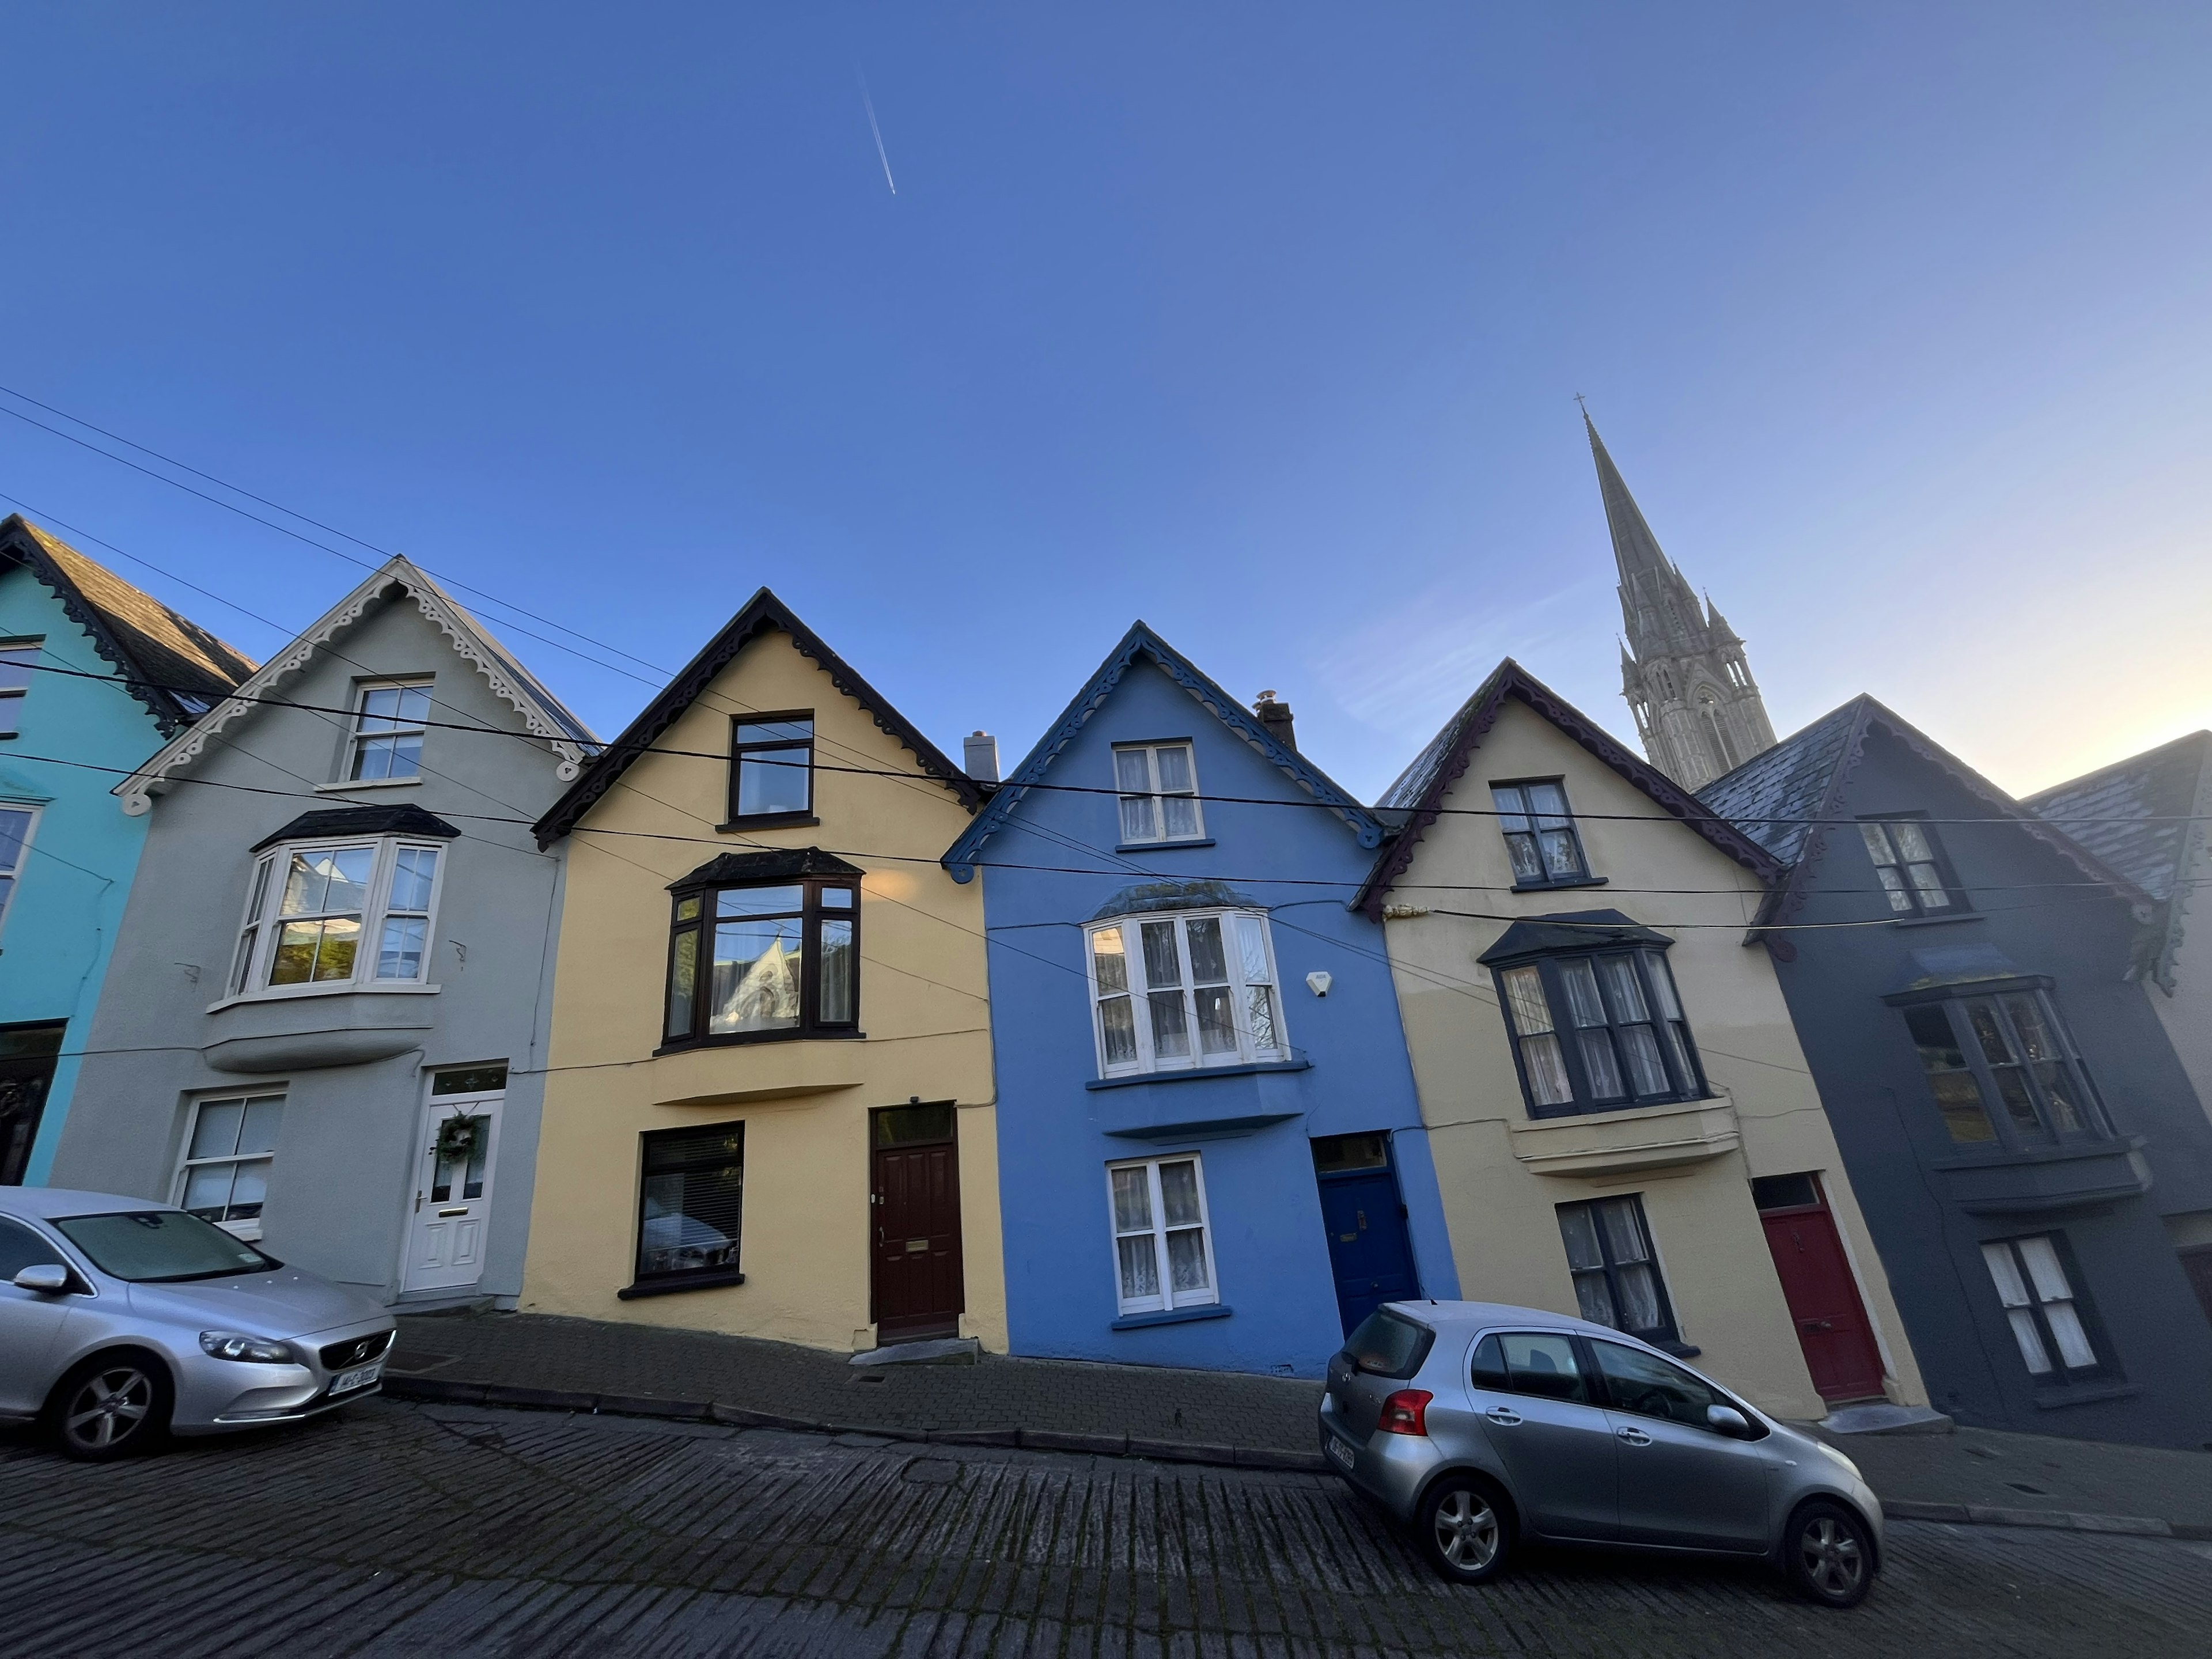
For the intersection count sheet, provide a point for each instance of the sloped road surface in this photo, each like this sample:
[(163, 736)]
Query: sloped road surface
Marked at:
[(402, 1530)]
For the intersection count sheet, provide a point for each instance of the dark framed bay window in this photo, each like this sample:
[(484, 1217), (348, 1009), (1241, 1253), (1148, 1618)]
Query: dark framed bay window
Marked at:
[(2002, 1066), (772, 770), (763, 946), (1596, 1022), (691, 1191)]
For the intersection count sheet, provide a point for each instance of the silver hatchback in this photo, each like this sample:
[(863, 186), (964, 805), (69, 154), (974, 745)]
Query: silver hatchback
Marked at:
[(122, 1320), (1478, 1424)]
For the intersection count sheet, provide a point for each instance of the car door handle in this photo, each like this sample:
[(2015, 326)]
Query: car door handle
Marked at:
[(1503, 1417), (1633, 1437)]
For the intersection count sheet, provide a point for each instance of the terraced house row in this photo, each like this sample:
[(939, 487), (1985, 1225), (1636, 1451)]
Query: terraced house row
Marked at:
[(1822, 1062)]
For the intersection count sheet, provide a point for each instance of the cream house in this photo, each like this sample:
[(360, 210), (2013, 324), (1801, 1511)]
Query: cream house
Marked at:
[(1623, 1122), (768, 1109)]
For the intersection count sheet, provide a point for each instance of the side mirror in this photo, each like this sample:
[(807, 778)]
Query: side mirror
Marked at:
[(47, 1278), (1728, 1421)]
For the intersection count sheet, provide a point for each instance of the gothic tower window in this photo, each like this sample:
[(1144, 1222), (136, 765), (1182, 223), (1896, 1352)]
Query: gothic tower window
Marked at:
[(1709, 711)]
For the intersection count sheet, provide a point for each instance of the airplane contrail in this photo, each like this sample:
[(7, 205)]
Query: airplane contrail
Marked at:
[(869, 104)]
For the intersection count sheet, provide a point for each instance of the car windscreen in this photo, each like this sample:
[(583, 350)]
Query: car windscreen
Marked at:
[(156, 1246), (1389, 1345)]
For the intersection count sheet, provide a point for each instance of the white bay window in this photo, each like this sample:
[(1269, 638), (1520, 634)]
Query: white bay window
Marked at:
[(1184, 990), (356, 912)]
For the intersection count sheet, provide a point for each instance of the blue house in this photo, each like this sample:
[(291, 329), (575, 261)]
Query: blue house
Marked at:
[(94, 676), (2022, 1137), (1211, 1153)]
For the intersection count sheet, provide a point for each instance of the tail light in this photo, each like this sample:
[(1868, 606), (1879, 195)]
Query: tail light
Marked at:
[(1406, 1411)]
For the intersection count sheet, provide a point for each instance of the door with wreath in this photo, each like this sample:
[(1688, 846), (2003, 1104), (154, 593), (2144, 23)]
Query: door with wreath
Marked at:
[(451, 1221)]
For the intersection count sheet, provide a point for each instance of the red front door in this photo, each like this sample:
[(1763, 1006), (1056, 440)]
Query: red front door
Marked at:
[(915, 1211), (1816, 1281)]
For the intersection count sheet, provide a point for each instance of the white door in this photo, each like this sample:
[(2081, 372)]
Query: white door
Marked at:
[(453, 1192)]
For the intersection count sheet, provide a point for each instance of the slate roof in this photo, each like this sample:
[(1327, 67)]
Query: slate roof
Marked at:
[(175, 667), (403, 820), (771, 864), (1569, 930), (2136, 814), (1416, 799), (1785, 797), (763, 613)]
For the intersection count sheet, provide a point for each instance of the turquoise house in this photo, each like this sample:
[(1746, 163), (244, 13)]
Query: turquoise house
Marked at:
[(94, 676)]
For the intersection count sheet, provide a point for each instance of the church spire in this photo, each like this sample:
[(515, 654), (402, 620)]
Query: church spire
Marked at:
[(1683, 670)]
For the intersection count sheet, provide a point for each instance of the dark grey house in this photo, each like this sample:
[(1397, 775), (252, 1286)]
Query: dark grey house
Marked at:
[(2023, 1138)]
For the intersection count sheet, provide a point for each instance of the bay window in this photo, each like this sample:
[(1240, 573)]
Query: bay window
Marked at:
[(2004, 1069), (764, 945), (1183, 990), (1598, 1031), (339, 913)]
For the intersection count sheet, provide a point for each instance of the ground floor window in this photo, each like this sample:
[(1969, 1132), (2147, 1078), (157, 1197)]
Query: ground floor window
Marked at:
[(232, 1148), (1617, 1277), (1162, 1249), (2042, 1308), (690, 1204), (28, 1054)]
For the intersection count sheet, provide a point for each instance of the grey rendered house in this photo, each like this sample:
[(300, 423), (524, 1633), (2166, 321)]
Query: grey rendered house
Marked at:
[(323, 1022), (2023, 1139), (2149, 818)]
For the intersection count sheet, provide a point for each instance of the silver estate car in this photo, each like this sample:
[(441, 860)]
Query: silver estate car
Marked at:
[(122, 1320), (1478, 1424)]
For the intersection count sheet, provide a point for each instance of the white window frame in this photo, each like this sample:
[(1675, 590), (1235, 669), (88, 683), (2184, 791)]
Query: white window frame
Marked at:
[(12, 697), (1168, 1298), (2044, 1307), (13, 874), (359, 735), (1154, 795), (1248, 1051), (250, 1227), (252, 959)]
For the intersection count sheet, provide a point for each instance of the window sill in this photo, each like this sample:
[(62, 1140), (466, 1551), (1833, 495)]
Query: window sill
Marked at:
[(1936, 921), (748, 1039), (1194, 1073), (2084, 1394), (1172, 1316), (714, 1279), (348, 788), (1674, 1346), (1556, 886), (1608, 1107), (336, 988), (768, 821), (1175, 846)]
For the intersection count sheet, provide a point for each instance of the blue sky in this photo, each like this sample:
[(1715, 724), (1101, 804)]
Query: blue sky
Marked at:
[(1263, 323)]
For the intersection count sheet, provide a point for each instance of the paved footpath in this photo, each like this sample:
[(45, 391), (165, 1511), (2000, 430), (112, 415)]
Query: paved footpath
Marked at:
[(454, 1531)]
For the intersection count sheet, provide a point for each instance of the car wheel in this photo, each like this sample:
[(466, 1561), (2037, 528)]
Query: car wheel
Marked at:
[(1829, 1555), (1465, 1529), (111, 1406)]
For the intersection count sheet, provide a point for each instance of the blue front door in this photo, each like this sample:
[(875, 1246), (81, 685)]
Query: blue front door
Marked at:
[(1369, 1251)]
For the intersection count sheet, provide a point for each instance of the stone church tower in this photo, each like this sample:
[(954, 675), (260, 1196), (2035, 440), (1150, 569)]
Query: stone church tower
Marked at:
[(1682, 667)]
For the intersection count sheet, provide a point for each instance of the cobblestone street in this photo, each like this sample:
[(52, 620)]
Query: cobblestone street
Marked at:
[(398, 1529)]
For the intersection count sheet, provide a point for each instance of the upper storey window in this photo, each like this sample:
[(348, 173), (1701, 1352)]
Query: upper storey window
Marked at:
[(336, 914), (772, 768), (1540, 832), (1911, 868), (1599, 1032), (389, 720), (752, 958), (1158, 786), (18, 657), (1183, 990)]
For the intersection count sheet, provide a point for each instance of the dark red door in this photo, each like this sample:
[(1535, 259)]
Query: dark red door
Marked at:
[(1816, 1281), (914, 1205)]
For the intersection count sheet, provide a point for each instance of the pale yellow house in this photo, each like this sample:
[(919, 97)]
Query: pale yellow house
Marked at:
[(769, 1108), (1623, 1123)]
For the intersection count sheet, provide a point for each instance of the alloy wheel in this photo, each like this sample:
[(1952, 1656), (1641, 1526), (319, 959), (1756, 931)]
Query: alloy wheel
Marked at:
[(1466, 1530), (1834, 1563), (108, 1407)]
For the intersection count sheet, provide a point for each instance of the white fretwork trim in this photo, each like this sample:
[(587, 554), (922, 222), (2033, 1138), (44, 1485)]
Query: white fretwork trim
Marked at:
[(139, 789)]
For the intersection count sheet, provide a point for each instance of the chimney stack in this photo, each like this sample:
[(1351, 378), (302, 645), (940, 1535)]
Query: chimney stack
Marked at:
[(982, 756), (1276, 717)]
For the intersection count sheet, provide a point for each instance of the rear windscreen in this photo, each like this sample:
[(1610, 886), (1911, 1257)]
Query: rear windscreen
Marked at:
[(1389, 1345)]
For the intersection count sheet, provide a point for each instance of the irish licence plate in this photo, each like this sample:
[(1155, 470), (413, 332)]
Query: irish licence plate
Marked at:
[(1339, 1454), (359, 1377)]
